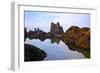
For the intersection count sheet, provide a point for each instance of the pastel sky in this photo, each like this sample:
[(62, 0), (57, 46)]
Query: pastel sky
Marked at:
[(43, 20)]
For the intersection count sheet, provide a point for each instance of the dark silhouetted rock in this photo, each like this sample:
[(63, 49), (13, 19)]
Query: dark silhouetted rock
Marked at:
[(33, 53), (56, 29)]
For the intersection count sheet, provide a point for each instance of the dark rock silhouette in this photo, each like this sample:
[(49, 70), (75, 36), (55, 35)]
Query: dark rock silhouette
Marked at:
[(33, 53), (56, 29)]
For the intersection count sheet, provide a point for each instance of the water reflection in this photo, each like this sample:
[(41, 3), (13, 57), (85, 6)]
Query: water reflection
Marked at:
[(56, 49), (86, 53)]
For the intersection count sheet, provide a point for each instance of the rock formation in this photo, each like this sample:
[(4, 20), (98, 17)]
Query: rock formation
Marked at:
[(79, 37), (56, 29)]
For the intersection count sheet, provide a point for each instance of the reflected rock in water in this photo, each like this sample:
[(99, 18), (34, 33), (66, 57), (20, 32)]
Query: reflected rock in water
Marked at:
[(33, 53), (85, 52), (41, 38)]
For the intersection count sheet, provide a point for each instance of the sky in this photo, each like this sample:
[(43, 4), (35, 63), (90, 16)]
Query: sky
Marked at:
[(43, 20)]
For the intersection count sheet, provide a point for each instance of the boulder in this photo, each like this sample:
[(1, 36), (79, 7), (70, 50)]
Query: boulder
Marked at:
[(33, 53)]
